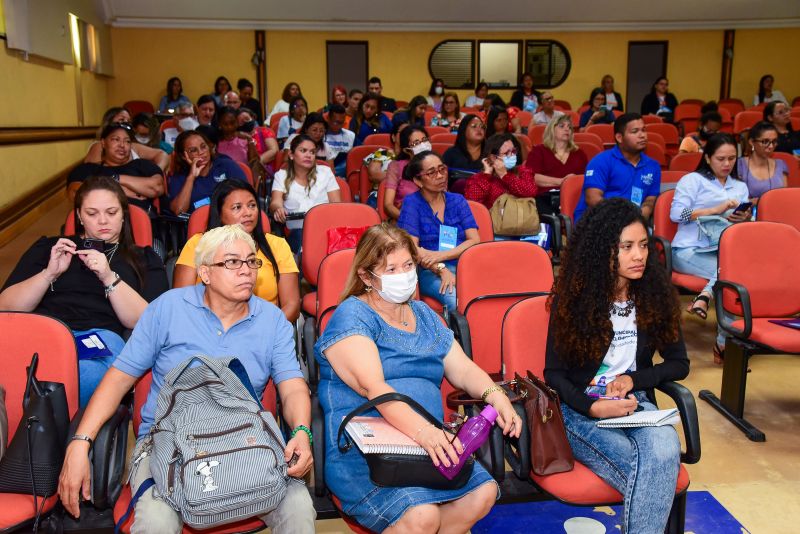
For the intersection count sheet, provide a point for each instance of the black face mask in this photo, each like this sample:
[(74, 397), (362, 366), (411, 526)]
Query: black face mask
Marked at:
[(704, 135), (248, 127)]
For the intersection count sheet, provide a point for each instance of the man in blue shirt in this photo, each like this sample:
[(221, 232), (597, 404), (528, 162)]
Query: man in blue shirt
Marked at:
[(219, 317), (624, 171)]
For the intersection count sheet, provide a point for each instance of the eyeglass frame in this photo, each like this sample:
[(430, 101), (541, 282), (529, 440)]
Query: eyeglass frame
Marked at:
[(230, 261), (437, 171)]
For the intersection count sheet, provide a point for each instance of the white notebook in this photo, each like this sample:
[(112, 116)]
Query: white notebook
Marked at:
[(373, 435), (643, 418)]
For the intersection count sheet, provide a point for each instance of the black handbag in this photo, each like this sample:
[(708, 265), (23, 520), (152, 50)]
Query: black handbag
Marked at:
[(404, 470), (33, 461)]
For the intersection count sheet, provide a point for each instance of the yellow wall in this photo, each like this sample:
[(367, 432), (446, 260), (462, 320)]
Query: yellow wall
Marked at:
[(42, 93), (759, 52), (145, 59)]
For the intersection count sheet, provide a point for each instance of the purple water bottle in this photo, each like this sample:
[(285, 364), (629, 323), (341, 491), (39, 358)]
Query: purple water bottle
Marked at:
[(472, 434)]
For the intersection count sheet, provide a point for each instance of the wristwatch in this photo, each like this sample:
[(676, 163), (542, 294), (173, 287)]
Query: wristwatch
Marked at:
[(112, 286), (439, 267)]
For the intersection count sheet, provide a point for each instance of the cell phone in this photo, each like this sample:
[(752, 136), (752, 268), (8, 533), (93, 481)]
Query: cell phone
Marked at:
[(94, 244), (744, 206)]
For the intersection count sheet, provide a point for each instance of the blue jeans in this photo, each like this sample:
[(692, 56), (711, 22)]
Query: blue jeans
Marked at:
[(91, 371), (429, 284), (641, 463), (689, 261)]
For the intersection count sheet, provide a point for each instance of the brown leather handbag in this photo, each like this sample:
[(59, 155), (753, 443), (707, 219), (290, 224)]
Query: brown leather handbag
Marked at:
[(550, 449)]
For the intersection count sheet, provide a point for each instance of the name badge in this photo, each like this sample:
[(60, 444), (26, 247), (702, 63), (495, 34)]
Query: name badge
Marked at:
[(202, 202), (91, 346), (637, 195), (447, 237)]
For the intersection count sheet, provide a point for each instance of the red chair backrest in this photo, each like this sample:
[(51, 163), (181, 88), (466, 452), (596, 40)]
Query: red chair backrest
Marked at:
[(571, 194), (142, 389), (319, 220), (24, 334), (433, 130), (652, 119), (605, 132), (380, 139), (524, 337), (656, 138), (355, 160), (333, 273), (687, 162), (198, 221), (667, 131), (275, 118), (744, 120), (563, 104), (656, 151), (447, 137), (793, 180), (381, 196), (280, 159), (576, 118), (781, 206), (490, 278), (590, 149), (525, 118), (429, 115), (536, 133), (672, 177), (484, 220), (662, 224), (696, 101), (441, 148), (582, 137), (733, 105), (344, 189), (761, 256), (248, 173), (140, 226), (687, 111), (135, 107), (795, 112), (758, 107), (169, 123), (525, 142)]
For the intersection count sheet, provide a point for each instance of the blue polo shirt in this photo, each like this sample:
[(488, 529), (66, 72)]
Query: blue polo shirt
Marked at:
[(178, 325), (610, 172), (222, 168), (418, 219)]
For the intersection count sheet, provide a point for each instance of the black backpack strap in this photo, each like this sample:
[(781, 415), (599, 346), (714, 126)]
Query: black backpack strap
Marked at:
[(381, 399)]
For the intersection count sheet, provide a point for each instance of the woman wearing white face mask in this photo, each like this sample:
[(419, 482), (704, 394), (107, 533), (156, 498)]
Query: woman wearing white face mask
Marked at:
[(413, 140), (435, 94), (379, 341), (502, 173)]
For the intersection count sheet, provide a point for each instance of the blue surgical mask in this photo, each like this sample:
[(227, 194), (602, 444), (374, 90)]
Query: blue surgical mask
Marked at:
[(510, 161)]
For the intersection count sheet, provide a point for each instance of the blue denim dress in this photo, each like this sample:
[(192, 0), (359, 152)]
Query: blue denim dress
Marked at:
[(413, 364)]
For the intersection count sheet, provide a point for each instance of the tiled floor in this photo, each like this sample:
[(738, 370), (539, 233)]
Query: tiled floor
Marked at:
[(758, 483)]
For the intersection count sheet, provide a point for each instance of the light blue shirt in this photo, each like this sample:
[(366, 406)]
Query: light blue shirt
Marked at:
[(178, 325), (694, 191)]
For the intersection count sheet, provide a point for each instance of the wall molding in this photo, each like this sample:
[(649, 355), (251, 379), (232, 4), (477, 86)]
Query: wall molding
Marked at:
[(460, 27), (36, 134)]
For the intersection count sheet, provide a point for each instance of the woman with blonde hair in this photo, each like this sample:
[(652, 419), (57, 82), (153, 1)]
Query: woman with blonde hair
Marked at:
[(552, 162), (379, 340)]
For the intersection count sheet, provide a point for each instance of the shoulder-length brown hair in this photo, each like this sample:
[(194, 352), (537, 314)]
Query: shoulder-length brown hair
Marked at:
[(374, 246)]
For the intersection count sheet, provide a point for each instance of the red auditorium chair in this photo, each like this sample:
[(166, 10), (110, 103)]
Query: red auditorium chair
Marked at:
[(687, 116), (523, 349), (744, 120), (484, 219), (441, 148), (576, 118), (753, 290), (275, 118), (695, 101), (733, 105), (536, 134), (669, 133), (563, 104), (140, 226), (780, 206), (663, 232), (248, 173), (449, 138), (380, 139), (658, 139), (605, 132), (355, 160), (687, 162), (793, 180), (525, 118), (429, 115), (652, 119), (590, 149), (581, 137), (381, 196), (135, 107), (433, 130), (669, 179), (140, 392), (656, 151), (571, 189)]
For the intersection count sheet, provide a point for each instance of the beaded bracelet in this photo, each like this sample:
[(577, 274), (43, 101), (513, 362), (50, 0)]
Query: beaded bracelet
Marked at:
[(491, 390), (304, 428)]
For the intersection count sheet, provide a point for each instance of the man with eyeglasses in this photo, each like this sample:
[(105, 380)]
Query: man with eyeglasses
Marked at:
[(220, 317), (548, 110)]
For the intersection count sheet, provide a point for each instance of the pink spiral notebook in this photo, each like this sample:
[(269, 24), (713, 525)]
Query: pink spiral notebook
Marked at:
[(373, 435)]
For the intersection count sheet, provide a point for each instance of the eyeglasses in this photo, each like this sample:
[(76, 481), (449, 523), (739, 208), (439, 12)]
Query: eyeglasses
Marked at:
[(767, 142), (418, 142), (197, 149), (235, 263), (512, 152), (477, 126), (433, 173), (123, 125)]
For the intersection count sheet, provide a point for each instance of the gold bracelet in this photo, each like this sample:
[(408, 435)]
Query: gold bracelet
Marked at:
[(491, 390)]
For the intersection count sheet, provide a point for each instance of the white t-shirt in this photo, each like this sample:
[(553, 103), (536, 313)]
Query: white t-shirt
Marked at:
[(341, 142), (621, 355), (777, 96), (540, 117), (170, 135), (474, 101), (301, 199), (286, 124), (611, 99)]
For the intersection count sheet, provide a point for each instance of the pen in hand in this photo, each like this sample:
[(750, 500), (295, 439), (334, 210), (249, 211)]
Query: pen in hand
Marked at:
[(603, 397)]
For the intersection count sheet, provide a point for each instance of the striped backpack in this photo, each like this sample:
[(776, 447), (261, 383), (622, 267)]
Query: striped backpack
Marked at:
[(217, 455)]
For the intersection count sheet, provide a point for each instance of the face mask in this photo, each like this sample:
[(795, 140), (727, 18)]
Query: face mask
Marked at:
[(143, 139), (704, 135), (510, 161), (422, 147), (249, 126), (438, 90), (188, 123), (398, 288)]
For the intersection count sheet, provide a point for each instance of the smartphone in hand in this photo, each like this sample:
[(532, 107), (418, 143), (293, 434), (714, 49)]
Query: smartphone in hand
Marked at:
[(744, 206)]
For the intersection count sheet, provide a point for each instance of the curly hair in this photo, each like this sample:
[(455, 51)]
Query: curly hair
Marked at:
[(585, 288)]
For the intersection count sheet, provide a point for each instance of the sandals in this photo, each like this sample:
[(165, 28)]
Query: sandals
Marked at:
[(697, 310)]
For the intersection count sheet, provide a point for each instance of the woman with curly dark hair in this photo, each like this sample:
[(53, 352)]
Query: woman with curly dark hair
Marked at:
[(611, 309)]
